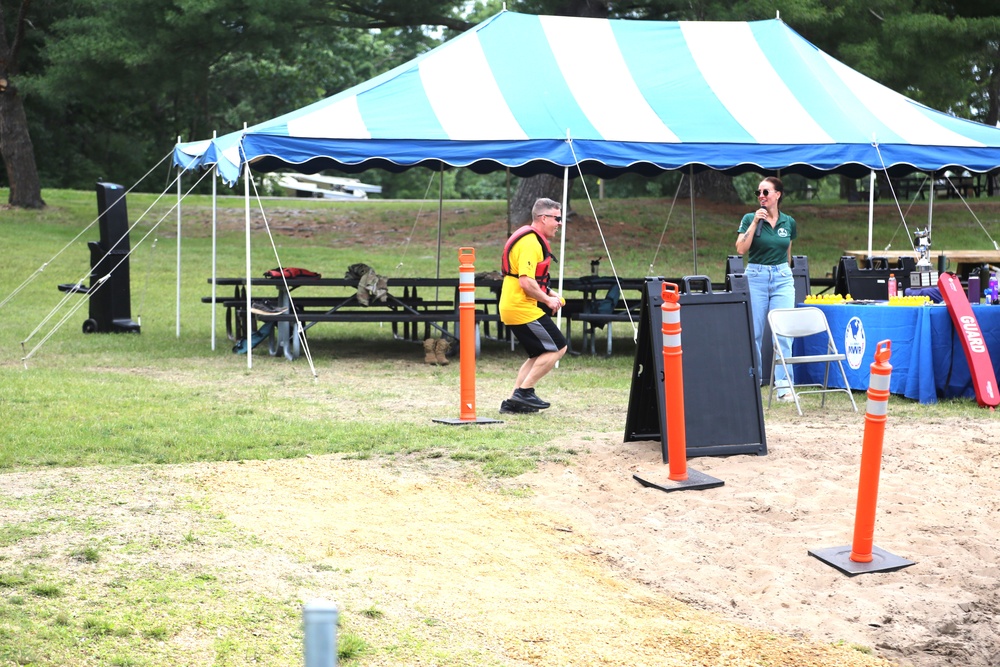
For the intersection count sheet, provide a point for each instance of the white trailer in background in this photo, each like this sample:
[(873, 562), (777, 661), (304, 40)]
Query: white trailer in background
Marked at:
[(323, 187)]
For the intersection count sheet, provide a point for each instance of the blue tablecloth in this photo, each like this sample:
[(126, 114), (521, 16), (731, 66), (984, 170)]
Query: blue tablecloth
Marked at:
[(928, 360)]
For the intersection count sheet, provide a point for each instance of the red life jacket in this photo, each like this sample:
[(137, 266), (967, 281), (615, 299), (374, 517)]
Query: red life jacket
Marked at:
[(291, 272), (542, 268)]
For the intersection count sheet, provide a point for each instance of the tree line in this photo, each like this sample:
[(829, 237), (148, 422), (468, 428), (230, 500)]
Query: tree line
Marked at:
[(91, 89)]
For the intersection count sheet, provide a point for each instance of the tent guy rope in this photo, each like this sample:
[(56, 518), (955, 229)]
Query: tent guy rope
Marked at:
[(300, 330), (604, 242), (895, 199), (100, 281), (27, 281), (902, 222), (413, 227), (666, 222), (971, 212)]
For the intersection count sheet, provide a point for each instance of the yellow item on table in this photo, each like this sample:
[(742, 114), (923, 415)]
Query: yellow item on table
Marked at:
[(826, 299), (909, 300)]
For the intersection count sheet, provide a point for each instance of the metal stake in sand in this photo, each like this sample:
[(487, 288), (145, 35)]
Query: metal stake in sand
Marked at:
[(467, 341), (862, 556), (680, 477), (319, 620)]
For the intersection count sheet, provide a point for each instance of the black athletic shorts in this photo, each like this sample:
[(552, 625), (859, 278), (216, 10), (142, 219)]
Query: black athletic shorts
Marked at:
[(539, 337)]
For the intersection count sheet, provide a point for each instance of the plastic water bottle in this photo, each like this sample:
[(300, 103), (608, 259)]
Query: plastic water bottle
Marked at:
[(992, 289), (892, 285)]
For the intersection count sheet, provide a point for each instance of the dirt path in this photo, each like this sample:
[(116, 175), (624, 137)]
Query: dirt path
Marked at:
[(573, 564), (480, 572), (588, 567)]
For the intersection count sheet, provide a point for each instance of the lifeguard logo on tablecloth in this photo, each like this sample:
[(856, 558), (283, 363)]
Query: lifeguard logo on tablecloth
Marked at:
[(854, 343)]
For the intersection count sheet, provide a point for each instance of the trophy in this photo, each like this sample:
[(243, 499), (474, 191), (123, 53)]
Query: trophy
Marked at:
[(925, 275)]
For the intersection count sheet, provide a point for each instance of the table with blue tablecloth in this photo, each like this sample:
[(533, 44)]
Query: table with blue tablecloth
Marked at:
[(928, 359)]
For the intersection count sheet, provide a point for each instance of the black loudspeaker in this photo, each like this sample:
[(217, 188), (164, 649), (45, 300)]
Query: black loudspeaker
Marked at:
[(110, 301), (871, 282), (800, 273), (723, 412)]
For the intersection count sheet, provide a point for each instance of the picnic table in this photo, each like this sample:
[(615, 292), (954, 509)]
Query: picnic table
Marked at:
[(411, 305), (600, 304), (918, 184), (336, 300)]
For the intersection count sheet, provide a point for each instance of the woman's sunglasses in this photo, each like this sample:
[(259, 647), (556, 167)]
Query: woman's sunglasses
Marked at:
[(764, 192)]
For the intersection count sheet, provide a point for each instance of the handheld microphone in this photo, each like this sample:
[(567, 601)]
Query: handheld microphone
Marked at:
[(760, 226)]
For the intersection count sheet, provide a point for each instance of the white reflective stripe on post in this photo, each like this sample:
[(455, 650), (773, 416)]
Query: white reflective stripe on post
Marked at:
[(466, 277), (672, 317), (877, 408), (879, 382), (466, 297), (671, 340)]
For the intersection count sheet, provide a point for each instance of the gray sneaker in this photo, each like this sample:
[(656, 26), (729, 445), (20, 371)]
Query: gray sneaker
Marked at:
[(265, 308)]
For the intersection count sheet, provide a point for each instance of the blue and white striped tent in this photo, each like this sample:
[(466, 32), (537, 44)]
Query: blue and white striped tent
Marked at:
[(542, 93)]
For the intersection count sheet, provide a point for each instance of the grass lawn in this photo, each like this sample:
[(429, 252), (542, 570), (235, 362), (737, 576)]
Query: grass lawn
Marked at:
[(167, 397), (130, 403)]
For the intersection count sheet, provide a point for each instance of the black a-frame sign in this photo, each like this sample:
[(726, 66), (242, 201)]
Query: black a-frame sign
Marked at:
[(723, 411)]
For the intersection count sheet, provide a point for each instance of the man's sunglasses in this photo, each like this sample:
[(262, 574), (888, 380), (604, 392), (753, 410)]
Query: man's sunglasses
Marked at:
[(764, 192), (557, 217)]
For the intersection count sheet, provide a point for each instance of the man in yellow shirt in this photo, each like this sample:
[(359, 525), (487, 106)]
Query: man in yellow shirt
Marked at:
[(527, 303)]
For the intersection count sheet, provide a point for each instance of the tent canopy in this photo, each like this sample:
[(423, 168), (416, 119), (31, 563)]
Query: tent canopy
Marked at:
[(537, 94)]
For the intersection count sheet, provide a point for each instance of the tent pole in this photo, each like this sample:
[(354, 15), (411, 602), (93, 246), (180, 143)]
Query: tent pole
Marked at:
[(930, 208), (562, 240), (179, 196), (440, 224), (871, 211), (508, 202), (215, 211), (246, 218), (694, 228)]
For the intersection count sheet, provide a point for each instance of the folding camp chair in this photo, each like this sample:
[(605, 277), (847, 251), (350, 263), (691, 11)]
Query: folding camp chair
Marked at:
[(800, 323)]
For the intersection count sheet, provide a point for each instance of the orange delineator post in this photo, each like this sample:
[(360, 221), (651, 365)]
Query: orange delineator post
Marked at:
[(673, 382), (679, 477), (467, 332), (871, 454)]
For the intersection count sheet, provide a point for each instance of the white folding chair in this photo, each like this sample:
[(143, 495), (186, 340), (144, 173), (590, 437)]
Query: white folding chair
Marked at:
[(798, 323)]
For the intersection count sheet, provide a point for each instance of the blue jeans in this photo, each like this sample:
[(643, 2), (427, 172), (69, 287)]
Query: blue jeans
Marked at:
[(770, 287)]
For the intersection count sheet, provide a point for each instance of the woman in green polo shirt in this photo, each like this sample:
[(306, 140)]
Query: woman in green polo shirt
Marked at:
[(765, 238)]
